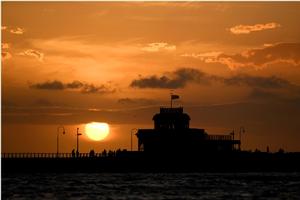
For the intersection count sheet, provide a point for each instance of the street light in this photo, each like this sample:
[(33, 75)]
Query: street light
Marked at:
[(57, 138), (78, 134), (242, 130), (131, 132)]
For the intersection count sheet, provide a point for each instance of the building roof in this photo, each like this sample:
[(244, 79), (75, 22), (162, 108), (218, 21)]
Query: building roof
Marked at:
[(171, 114)]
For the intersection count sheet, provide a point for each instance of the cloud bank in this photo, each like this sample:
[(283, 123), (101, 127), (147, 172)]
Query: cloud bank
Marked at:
[(257, 58)]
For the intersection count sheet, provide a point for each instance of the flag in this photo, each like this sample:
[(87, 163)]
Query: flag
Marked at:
[(174, 96)]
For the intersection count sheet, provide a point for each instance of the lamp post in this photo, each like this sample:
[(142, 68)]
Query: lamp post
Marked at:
[(78, 134), (131, 132), (242, 130), (57, 139)]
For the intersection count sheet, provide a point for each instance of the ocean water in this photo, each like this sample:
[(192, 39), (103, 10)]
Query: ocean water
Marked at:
[(151, 186)]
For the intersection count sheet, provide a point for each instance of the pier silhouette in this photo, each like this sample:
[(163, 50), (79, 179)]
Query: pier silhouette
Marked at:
[(171, 146)]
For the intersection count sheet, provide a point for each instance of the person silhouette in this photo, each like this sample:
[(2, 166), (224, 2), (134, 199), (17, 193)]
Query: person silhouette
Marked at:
[(92, 153), (104, 153), (73, 153)]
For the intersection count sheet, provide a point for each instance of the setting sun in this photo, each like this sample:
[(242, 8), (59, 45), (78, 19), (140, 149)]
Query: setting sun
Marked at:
[(97, 131)]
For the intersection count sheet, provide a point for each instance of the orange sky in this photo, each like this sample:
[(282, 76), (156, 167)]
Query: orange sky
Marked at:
[(233, 64)]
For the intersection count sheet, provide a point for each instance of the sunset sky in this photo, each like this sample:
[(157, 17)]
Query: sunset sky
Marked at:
[(232, 64)]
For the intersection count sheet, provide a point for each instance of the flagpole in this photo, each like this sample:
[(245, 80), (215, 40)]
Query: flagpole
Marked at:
[(173, 96)]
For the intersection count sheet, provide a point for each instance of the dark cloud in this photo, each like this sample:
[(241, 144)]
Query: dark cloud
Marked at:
[(49, 85), (90, 88), (180, 78), (75, 85), (173, 80), (257, 81), (155, 82)]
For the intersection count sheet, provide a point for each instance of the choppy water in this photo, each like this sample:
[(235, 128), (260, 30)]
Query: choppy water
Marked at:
[(152, 186)]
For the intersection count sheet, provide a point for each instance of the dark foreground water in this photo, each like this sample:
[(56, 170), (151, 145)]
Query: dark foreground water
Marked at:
[(152, 186)]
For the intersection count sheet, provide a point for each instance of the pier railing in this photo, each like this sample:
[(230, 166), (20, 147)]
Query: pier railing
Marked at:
[(53, 155), (219, 137)]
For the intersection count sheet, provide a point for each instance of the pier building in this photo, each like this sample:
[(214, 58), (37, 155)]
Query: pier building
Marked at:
[(172, 135)]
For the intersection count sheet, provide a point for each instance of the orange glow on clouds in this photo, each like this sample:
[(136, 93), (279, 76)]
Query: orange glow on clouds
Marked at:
[(117, 62)]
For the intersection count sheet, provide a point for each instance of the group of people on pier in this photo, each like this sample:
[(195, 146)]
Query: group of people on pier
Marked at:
[(104, 153)]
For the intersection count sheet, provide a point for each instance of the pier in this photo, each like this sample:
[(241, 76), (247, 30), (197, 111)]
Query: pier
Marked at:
[(170, 146)]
